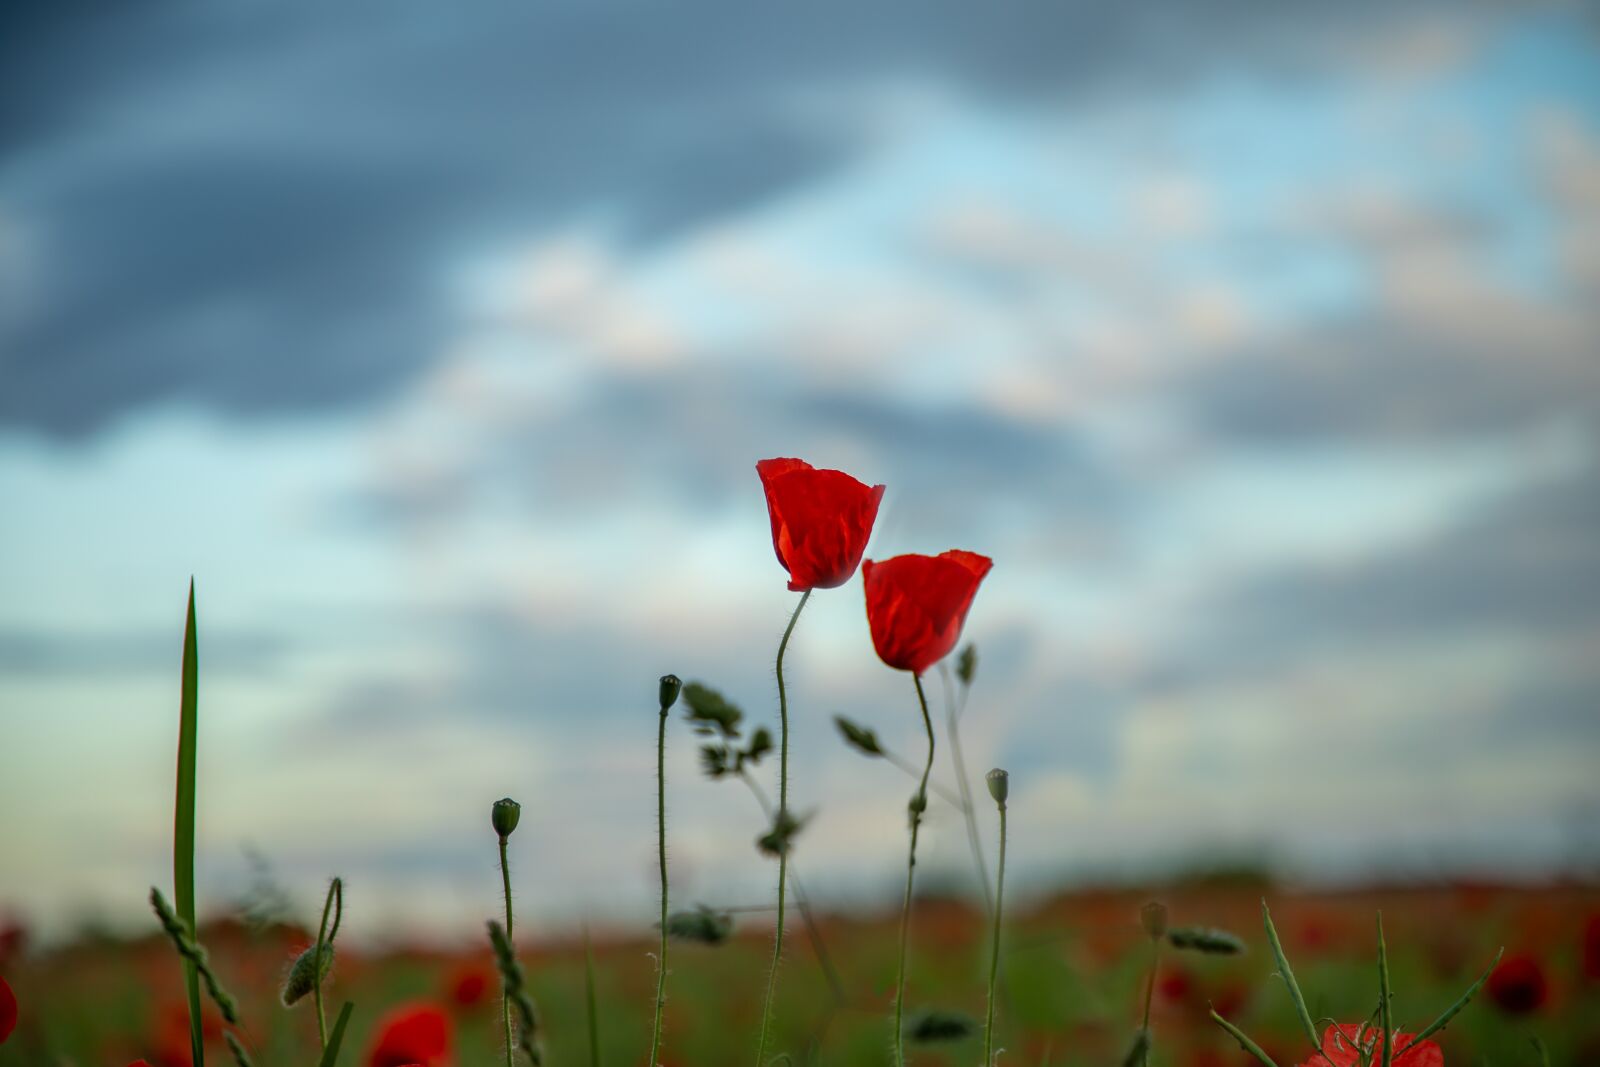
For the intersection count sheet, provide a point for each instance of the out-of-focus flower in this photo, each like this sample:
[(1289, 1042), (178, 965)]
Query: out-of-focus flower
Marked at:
[(1591, 948), (1350, 1046), (469, 986), (1518, 986), (1174, 984), (916, 605), (8, 1011), (13, 938), (416, 1033), (821, 520)]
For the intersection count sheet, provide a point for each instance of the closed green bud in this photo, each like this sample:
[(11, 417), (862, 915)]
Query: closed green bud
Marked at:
[(1153, 917), (505, 815), (999, 783), (1201, 939), (671, 684), (860, 738), (303, 976)]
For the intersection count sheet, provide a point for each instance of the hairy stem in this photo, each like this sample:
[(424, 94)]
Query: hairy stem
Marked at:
[(994, 952), (783, 809), (505, 995), (919, 803), (661, 852), (333, 902)]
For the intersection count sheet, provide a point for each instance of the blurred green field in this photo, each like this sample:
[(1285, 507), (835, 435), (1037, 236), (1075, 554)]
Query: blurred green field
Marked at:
[(1074, 974)]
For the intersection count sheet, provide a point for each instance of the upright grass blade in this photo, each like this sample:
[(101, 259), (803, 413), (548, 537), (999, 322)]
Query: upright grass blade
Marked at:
[(1288, 978), (330, 1054), (183, 822), (1244, 1042), (1385, 997), (1455, 1009)]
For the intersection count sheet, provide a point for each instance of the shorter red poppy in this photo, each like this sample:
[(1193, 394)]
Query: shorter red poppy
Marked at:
[(8, 1011), (821, 520), (414, 1033), (1350, 1046), (1517, 986), (916, 605)]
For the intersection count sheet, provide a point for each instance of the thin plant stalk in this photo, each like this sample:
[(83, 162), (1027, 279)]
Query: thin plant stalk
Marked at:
[(505, 993), (183, 821), (334, 903), (994, 952), (661, 853), (1149, 992), (919, 804), (952, 729), (783, 854), (590, 1000)]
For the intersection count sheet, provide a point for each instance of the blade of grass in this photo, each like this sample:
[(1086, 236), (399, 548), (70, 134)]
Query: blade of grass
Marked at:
[(1385, 1007), (1455, 1009), (183, 821), (1244, 1042), (589, 997), (1288, 978), (330, 1055)]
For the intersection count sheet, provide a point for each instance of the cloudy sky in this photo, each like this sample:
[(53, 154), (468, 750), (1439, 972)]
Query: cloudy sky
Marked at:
[(1255, 344)]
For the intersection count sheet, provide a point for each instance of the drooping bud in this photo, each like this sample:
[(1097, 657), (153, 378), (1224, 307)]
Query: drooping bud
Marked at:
[(303, 976), (999, 783), (670, 685), (505, 815), (1153, 917)]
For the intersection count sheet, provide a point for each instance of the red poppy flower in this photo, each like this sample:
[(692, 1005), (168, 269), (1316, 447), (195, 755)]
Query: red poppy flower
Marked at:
[(916, 605), (412, 1034), (821, 520), (469, 986), (1350, 1046), (1518, 985), (8, 1011)]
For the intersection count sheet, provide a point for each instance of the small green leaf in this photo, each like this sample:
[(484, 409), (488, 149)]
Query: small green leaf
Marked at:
[(1455, 1009), (704, 925), (860, 738), (183, 822), (1138, 1050), (932, 1026), (1203, 939), (776, 841), (1385, 1000), (1288, 978), (1244, 1042), (330, 1055), (709, 711)]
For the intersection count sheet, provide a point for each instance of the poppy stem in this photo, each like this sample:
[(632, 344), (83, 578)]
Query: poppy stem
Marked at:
[(783, 810), (952, 729), (661, 852), (919, 804), (505, 996), (994, 953), (333, 902), (1149, 994)]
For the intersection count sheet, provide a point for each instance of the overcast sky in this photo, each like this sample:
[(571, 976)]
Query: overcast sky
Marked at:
[(1256, 344)]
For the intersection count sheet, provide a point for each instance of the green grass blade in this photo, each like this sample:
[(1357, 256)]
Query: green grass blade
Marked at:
[(330, 1055), (1288, 978), (1385, 1007), (183, 821), (1244, 1042), (1455, 1009)]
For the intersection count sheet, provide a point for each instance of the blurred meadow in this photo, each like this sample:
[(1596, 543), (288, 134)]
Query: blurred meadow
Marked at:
[(1256, 344)]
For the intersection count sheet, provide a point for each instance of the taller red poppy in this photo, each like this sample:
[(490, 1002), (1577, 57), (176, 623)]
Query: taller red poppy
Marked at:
[(8, 1011), (412, 1034), (1350, 1046), (821, 520), (916, 605)]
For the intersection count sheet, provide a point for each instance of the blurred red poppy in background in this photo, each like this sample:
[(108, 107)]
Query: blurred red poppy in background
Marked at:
[(1517, 986), (412, 1034), (1591, 948), (8, 1011), (1340, 1048), (469, 986), (821, 520), (916, 605)]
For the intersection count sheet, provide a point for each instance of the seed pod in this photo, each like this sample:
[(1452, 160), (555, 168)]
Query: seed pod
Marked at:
[(670, 686), (999, 785), (504, 816)]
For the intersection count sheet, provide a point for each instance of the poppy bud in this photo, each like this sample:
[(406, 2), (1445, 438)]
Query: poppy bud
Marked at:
[(1153, 917), (999, 785), (303, 975), (670, 685), (919, 803), (504, 816)]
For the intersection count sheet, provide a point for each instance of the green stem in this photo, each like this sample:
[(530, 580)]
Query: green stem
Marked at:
[(994, 954), (324, 944), (1149, 994), (594, 1018), (661, 852), (953, 731), (919, 803), (783, 809), (505, 995), (183, 834)]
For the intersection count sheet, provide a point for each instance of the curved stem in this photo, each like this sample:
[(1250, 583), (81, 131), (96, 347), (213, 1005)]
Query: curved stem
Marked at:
[(505, 997), (953, 731), (994, 952), (1149, 993), (661, 850), (919, 803), (783, 810), (333, 902)]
